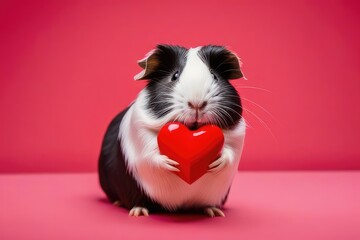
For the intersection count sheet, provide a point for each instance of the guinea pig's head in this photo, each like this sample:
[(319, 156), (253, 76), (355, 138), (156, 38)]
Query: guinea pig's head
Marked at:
[(192, 85)]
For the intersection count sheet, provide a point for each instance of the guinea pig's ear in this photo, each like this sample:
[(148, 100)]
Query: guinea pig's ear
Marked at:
[(222, 61), (158, 63), (149, 64)]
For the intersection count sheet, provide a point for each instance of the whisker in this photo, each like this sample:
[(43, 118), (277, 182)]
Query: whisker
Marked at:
[(252, 87), (179, 117), (262, 123), (261, 107), (220, 119), (229, 108), (247, 123)]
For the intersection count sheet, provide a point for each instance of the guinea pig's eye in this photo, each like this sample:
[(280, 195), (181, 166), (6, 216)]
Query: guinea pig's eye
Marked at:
[(175, 76), (213, 76)]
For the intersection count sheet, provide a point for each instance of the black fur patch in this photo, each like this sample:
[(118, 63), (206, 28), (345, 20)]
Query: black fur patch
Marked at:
[(230, 108), (170, 60), (225, 65), (115, 179), (222, 61)]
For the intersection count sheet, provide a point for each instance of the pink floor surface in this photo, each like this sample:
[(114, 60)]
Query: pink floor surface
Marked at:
[(262, 205)]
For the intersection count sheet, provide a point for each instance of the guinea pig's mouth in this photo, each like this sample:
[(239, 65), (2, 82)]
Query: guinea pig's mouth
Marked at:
[(195, 125)]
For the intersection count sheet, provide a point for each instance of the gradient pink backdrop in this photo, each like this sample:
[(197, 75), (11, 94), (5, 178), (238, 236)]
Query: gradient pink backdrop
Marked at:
[(66, 69)]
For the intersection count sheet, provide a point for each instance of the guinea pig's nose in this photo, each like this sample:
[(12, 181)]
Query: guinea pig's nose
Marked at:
[(197, 106)]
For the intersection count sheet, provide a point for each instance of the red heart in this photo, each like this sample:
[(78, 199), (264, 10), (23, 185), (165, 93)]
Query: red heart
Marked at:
[(193, 150)]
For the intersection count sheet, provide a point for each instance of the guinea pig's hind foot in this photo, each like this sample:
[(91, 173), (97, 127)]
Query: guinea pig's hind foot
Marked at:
[(214, 212), (139, 211), (117, 203)]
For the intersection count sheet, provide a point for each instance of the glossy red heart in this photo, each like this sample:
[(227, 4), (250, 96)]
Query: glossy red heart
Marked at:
[(194, 150)]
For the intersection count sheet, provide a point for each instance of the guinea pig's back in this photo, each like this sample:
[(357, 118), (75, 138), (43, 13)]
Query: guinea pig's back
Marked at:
[(110, 158), (115, 180)]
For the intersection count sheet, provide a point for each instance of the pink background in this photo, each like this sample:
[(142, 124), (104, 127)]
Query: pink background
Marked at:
[(66, 69)]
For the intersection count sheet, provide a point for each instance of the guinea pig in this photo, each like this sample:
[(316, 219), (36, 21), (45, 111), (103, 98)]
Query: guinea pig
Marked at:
[(190, 86)]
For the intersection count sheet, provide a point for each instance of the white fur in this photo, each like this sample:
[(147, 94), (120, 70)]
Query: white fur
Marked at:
[(138, 135)]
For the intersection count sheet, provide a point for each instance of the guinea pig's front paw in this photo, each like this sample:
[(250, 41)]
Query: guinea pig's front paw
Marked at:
[(220, 163), (217, 165), (167, 163)]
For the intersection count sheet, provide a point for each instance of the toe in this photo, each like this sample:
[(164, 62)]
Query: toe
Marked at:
[(215, 163), (145, 212), (168, 163), (218, 212), (209, 212), (217, 167), (214, 212), (132, 211), (171, 162), (172, 168), (138, 211)]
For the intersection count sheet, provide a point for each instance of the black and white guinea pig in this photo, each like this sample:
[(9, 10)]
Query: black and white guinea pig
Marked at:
[(184, 85)]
